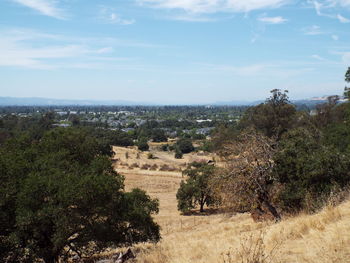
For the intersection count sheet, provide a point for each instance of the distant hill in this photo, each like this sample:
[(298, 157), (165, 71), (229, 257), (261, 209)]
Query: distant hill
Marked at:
[(13, 101), (34, 101)]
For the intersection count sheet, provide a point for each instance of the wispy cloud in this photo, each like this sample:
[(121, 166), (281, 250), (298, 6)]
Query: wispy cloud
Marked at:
[(18, 49), (191, 18), (212, 6), (335, 37), (318, 57), (328, 9), (45, 7), (268, 70), (109, 15), (343, 19), (312, 30), (272, 20)]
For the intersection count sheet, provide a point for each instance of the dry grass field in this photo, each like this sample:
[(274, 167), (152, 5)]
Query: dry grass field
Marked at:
[(228, 238)]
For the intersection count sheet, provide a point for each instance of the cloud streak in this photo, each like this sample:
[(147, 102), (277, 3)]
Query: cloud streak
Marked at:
[(272, 20), (45, 7), (213, 6)]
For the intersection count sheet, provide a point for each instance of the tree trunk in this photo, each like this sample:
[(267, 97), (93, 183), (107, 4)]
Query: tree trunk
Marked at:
[(273, 210), (201, 207)]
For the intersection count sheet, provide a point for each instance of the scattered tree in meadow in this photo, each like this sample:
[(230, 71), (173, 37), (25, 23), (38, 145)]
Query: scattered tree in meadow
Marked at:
[(195, 191), (185, 145), (142, 145)]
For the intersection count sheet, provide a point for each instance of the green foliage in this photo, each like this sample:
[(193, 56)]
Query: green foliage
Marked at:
[(274, 117), (142, 145), (308, 170), (61, 192), (178, 154), (347, 75), (195, 190), (165, 147), (185, 145), (159, 136)]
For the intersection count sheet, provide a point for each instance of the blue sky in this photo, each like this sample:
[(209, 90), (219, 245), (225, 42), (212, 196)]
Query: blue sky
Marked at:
[(173, 51)]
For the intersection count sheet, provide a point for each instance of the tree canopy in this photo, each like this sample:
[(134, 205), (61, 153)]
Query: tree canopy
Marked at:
[(60, 195), (195, 190)]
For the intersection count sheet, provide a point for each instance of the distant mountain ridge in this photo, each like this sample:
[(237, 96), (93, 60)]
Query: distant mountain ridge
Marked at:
[(35, 101)]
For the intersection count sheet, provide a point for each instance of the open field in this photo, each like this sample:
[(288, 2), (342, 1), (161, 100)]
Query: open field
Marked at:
[(319, 238)]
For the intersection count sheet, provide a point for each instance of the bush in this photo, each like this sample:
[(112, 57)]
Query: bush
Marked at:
[(185, 145), (178, 154), (143, 145), (165, 147)]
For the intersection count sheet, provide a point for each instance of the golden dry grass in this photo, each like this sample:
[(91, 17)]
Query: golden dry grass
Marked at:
[(319, 238)]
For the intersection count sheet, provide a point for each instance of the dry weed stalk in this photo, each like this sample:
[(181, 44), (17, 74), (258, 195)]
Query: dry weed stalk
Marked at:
[(253, 250)]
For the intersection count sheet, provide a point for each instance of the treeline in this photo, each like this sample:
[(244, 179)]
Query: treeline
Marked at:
[(276, 160)]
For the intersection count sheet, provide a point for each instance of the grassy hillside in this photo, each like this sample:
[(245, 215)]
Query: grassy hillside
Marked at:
[(223, 237)]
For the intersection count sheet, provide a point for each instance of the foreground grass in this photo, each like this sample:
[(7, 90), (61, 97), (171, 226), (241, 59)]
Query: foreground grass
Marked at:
[(321, 238), (225, 238)]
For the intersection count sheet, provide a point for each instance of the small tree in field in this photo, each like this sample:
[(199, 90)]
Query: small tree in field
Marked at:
[(195, 190)]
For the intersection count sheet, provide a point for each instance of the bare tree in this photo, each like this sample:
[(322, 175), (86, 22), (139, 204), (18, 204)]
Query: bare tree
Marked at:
[(245, 182)]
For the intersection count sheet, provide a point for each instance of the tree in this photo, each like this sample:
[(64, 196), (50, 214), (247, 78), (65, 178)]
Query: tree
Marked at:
[(178, 153), (61, 196), (158, 135), (272, 118), (185, 145), (246, 182), (195, 190), (347, 79), (308, 170), (142, 145)]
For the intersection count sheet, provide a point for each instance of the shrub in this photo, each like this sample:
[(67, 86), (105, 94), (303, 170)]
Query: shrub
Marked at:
[(185, 145)]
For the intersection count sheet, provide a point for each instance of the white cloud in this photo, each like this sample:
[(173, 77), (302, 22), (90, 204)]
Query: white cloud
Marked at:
[(212, 6), (110, 16), (17, 50), (330, 6), (191, 18), (335, 37), (273, 20), (116, 19), (313, 30), (45, 7), (343, 19), (317, 57)]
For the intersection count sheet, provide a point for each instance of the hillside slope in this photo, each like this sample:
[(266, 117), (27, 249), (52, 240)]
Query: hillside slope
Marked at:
[(320, 238)]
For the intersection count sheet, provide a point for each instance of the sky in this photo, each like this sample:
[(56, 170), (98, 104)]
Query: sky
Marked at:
[(173, 51)]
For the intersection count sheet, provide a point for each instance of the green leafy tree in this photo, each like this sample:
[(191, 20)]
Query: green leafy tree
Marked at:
[(185, 145), (274, 117), (308, 170), (142, 145), (159, 136), (195, 190), (347, 80), (178, 153), (60, 194)]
